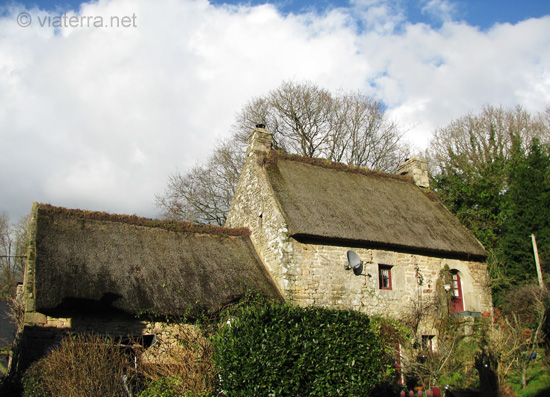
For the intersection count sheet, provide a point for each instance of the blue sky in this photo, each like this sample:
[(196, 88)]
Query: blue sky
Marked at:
[(481, 13), (97, 117)]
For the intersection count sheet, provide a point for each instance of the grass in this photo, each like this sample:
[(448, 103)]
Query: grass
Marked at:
[(538, 380)]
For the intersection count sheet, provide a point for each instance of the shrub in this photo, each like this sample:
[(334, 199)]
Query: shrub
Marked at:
[(161, 387), (286, 350), (83, 365), (33, 382)]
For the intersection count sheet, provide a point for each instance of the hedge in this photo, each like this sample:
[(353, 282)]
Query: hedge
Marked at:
[(282, 350)]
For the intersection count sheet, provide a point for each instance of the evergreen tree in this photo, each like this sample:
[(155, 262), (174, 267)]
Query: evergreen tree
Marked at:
[(526, 212), (476, 198), (491, 170), (469, 160)]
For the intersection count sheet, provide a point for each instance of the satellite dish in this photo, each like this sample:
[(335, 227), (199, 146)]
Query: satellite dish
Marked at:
[(354, 263)]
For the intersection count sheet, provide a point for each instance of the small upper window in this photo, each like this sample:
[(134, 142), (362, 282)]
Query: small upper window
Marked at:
[(384, 276), (427, 342)]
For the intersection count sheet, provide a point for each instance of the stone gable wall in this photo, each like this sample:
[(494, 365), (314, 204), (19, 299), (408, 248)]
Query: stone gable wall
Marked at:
[(255, 207)]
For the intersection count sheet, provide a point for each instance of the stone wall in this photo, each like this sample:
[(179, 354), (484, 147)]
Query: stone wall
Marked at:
[(42, 333), (313, 274), (320, 279)]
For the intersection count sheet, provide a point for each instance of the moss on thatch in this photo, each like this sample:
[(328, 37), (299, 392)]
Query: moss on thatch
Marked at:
[(167, 224), (96, 261), (275, 155)]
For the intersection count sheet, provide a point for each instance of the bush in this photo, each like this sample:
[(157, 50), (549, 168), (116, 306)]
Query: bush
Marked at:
[(82, 365), (161, 387), (33, 382), (286, 350)]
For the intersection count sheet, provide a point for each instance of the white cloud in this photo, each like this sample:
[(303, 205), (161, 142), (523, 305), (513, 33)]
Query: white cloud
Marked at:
[(431, 77), (442, 10), (98, 117), (380, 16)]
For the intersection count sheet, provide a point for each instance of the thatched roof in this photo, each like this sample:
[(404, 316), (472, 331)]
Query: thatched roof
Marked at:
[(335, 203), (92, 260)]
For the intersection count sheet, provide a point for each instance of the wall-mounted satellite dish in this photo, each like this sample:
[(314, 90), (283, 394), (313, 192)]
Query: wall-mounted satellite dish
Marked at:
[(354, 263)]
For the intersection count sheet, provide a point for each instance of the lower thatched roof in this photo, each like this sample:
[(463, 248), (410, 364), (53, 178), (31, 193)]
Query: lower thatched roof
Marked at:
[(335, 203), (105, 262)]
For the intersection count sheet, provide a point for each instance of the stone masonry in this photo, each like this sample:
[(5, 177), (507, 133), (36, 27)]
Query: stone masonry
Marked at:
[(313, 274)]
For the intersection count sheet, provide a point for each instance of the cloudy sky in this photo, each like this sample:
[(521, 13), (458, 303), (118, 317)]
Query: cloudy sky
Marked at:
[(101, 101)]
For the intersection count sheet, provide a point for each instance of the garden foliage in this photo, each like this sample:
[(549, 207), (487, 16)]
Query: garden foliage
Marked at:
[(286, 350), (83, 365)]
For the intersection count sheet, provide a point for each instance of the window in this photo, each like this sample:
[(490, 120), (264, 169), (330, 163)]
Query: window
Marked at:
[(427, 342), (384, 276)]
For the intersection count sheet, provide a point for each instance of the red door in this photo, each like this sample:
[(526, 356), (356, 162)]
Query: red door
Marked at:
[(457, 304)]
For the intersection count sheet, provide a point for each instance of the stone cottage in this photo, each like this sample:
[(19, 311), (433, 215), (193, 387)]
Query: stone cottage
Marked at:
[(293, 224), (305, 215), (124, 276)]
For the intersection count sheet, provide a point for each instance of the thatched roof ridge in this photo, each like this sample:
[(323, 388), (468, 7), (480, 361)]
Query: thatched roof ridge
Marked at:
[(166, 224), (275, 155), (91, 261), (335, 203)]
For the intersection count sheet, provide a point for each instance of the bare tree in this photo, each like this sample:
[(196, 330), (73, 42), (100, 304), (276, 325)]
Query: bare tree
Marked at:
[(204, 194), (346, 127), (12, 252), (516, 337), (305, 120), (367, 137), (470, 161), (475, 141)]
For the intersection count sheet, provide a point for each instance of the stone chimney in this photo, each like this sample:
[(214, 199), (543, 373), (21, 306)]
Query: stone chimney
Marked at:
[(259, 140), (417, 169)]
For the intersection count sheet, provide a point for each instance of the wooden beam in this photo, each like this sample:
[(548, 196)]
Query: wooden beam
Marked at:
[(537, 261)]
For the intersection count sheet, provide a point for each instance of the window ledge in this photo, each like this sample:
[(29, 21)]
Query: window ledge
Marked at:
[(465, 314)]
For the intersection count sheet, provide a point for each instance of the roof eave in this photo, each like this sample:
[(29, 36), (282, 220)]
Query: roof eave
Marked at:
[(480, 256)]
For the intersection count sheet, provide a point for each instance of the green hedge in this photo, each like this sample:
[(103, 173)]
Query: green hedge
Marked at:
[(283, 350)]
